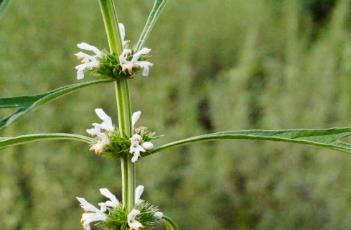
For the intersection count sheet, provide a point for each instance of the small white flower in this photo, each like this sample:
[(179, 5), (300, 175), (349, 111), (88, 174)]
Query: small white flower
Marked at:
[(132, 222), (138, 192), (102, 141), (92, 214), (100, 131), (136, 147), (134, 63), (89, 62)]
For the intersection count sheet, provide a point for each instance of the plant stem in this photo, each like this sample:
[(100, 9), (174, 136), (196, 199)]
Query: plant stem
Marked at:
[(123, 101)]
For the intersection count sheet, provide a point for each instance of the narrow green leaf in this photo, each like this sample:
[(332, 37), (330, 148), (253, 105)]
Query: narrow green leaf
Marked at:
[(170, 224), (327, 138), (10, 141), (150, 23), (25, 104), (3, 6)]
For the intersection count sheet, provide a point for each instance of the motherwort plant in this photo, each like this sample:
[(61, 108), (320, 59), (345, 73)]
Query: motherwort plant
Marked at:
[(119, 65)]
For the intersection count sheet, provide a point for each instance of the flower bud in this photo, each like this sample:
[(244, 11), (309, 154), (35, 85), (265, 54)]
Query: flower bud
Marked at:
[(147, 145)]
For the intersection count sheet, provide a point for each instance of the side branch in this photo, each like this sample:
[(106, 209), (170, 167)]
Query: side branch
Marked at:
[(24, 139), (327, 138)]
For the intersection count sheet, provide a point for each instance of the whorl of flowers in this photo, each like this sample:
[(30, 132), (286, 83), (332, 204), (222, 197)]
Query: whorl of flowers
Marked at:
[(111, 213), (125, 65), (107, 137)]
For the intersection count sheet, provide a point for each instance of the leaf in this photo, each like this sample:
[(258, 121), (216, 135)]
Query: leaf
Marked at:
[(25, 104), (170, 224), (3, 6), (150, 23), (327, 138), (24, 139)]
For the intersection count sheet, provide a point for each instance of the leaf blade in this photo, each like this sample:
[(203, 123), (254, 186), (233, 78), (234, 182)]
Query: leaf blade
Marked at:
[(150, 23), (25, 104), (24, 139), (3, 6), (327, 138)]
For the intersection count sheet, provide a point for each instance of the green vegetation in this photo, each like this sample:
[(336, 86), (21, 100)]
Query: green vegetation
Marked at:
[(220, 65)]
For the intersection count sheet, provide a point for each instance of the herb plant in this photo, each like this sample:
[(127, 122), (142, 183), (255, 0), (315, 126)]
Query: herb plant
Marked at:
[(122, 139)]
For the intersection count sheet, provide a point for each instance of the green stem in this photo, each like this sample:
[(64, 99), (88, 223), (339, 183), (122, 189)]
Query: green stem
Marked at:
[(124, 122), (109, 16), (123, 101)]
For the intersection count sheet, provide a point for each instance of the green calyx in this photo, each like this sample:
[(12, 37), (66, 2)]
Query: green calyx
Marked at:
[(119, 146), (110, 66), (118, 217)]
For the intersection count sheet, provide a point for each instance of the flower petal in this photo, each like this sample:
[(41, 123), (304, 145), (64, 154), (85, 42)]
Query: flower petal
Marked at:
[(138, 192), (114, 201), (137, 55), (135, 117), (122, 31), (132, 222), (88, 218), (107, 121), (86, 206), (88, 47)]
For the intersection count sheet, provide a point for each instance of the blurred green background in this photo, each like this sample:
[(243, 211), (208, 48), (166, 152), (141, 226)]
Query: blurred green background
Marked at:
[(219, 65)]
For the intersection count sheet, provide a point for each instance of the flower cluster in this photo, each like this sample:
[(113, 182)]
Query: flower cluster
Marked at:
[(108, 138), (112, 213), (125, 65)]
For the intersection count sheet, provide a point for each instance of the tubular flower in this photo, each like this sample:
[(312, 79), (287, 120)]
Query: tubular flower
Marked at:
[(132, 222), (89, 61), (137, 146), (129, 63), (100, 131), (93, 214)]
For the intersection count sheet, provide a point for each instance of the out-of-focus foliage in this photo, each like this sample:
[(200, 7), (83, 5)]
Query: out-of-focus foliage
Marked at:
[(220, 65)]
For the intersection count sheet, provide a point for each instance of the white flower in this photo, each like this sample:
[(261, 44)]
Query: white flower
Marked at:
[(132, 222), (100, 131), (102, 141), (136, 147), (134, 63), (89, 62), (92, 214)]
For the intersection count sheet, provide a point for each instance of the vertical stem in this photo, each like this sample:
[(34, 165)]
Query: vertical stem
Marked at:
[(123, 101)]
